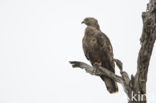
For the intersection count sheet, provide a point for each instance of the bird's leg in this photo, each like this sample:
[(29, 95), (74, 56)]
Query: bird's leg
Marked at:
[(96, 64)]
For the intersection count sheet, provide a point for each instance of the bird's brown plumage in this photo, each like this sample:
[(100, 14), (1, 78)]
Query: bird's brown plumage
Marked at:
[(98, 50)]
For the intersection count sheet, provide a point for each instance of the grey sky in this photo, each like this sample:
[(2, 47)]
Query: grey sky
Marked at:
[(39, 37)]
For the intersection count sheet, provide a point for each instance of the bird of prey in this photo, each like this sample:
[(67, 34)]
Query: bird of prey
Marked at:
[(98, 50)]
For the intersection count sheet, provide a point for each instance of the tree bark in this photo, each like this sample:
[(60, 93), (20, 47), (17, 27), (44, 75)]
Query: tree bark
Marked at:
[(134, 87)]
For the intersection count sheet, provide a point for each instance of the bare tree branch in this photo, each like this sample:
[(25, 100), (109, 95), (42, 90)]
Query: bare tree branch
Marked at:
[(99, 70), (123, 79)]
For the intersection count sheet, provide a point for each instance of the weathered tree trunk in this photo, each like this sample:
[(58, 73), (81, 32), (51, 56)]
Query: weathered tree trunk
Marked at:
[(134, 87), (147, 42)]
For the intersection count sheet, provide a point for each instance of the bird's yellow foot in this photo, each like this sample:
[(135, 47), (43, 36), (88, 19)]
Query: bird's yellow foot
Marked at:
[(94, 70), (98, 63)]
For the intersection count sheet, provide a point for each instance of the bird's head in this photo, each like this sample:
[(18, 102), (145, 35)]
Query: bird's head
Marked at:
[(90, 21)]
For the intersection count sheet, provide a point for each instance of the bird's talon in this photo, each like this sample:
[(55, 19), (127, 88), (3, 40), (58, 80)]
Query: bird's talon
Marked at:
[(98, 63), (94, 70)]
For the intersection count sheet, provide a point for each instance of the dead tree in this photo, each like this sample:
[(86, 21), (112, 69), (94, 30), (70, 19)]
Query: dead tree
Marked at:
[(134, 86)]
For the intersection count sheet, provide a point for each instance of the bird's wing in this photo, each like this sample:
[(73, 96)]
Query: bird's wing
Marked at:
[(104, 43), (106, 54), (106, 51)]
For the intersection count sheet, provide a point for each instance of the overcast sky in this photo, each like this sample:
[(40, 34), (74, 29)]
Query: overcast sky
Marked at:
[(39, 37)]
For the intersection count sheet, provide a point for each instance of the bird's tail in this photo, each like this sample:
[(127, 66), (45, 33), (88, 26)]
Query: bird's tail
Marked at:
[(111, 85)]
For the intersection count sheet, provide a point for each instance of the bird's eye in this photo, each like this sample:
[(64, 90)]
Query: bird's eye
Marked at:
[(93, 40)]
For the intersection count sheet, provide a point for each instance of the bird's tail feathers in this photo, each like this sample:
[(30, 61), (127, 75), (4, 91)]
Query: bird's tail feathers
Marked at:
[(111, 85)]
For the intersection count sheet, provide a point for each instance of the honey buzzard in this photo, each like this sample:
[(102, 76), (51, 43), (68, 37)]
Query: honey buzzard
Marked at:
[(98, 50)]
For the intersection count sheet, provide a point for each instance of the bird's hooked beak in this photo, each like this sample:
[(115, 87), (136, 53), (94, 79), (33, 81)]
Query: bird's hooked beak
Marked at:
[(82, 22)]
